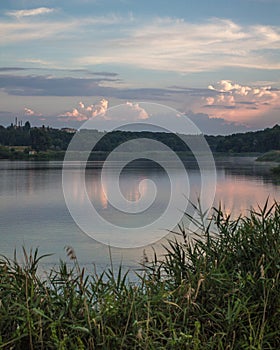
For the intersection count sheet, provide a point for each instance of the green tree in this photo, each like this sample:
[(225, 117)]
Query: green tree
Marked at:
[(27, 126), (40, 140)]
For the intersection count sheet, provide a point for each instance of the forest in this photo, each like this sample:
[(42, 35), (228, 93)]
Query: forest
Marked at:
[(27, 139)]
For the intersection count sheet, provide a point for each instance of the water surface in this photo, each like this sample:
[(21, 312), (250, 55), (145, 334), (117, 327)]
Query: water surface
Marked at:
[(33, 212)]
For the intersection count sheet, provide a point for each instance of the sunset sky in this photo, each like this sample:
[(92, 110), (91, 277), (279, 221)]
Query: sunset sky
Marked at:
[(217, 62)]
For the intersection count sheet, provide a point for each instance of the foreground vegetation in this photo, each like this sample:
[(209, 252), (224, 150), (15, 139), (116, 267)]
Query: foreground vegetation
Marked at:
[(220, 290)]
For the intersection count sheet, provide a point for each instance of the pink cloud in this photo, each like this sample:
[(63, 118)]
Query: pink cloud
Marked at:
[(129, 112), (240, 103), (30, 112), (82, 112), (139, 112)]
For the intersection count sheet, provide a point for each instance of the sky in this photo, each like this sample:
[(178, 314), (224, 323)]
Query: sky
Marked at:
[(215, 62)]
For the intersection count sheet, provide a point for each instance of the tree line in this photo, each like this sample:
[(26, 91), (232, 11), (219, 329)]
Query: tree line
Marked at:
[(38, 139), (46, 138), (257, 141)]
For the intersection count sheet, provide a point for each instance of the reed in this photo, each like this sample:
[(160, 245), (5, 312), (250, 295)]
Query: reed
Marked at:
[(220, 290)]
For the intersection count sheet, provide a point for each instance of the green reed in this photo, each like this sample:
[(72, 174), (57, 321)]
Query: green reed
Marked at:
[(219, 290)]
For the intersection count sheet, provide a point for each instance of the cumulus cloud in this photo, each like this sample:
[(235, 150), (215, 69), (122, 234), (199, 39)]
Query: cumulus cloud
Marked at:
[(31, 12), (210, 101), (98, 109), (140, 113), (228, 85), (83, 112), (104, 117), (229, 88), (75, 115), (30, 112), (240, 103)]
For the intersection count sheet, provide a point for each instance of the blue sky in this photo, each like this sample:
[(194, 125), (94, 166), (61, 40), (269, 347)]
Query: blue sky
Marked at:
[(218, 62)]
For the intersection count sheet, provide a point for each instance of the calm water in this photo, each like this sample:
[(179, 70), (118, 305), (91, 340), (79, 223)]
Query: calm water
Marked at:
[(33, 212)]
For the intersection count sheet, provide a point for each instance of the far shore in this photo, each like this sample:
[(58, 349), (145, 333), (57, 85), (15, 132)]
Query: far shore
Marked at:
[(25, 153)]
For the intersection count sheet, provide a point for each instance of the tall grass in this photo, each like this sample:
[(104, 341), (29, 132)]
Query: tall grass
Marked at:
[(220, 290)]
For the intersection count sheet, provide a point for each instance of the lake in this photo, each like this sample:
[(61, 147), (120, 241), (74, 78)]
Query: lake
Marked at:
[(34, 214)]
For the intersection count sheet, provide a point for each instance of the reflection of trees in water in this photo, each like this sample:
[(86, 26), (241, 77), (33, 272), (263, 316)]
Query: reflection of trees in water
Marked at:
[(250, 168)]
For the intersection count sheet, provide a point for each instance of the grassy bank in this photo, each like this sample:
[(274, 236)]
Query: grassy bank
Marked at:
[(25, 153), (21, 153), (272, 156), (219, 291)]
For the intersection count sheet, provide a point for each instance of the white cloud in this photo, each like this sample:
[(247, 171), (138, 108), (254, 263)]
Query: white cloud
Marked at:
[(75, 115), (31, 12), (176, 45), (105, 117), (31, 112), (227, 86), (210, 101), (28, 111), (15, 31), (98, 109), (83, 113), (36, 61), (83, 30), (161, 44), (140, 113)]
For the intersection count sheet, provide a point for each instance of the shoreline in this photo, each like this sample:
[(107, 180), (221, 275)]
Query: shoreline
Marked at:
[(12, 153)]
